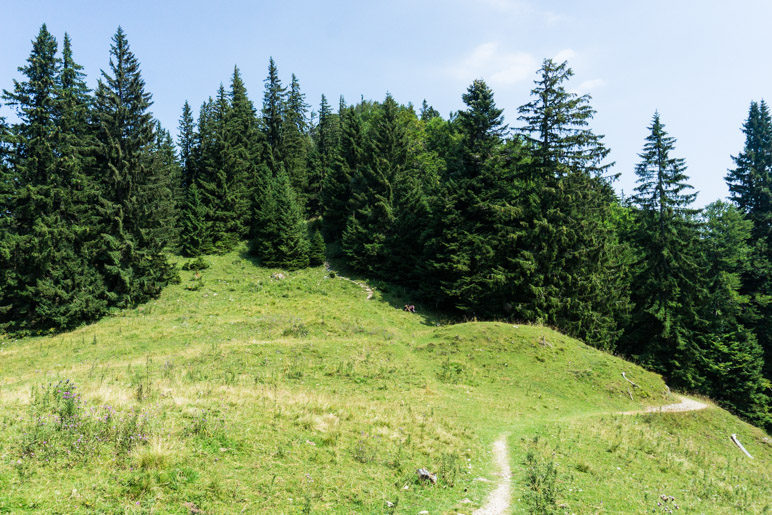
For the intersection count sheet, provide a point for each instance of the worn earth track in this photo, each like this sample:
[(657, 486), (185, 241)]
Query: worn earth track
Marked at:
[(365, 287), (498, 501)]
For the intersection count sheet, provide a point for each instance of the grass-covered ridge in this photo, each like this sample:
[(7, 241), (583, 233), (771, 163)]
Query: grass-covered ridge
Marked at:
[(236, 391)]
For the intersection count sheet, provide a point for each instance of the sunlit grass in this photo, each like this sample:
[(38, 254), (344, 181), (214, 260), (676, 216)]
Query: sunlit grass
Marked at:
[(298, 395)]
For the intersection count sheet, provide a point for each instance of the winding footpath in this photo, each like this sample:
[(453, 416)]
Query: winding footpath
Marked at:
[(498, 501), (368, 290), (686, 404)]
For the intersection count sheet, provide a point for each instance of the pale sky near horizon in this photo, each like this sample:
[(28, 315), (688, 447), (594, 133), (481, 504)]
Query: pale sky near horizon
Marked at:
[(699, 63)]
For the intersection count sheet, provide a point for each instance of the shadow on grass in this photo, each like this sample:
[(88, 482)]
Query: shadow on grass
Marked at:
[(397, 296), (247, 255)]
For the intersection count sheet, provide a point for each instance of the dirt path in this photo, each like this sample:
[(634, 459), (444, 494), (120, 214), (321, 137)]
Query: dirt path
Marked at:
[(367, 289), (686, 404), (498, 500)]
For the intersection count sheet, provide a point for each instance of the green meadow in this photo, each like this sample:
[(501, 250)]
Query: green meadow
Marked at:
[(238, 392)]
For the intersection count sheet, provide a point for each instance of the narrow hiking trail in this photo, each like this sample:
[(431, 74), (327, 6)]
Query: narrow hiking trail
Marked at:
[(368, 290), (498, 501), (686, 404)]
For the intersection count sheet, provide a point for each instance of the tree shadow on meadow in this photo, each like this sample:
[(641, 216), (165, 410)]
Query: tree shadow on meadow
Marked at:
[(397, 296)]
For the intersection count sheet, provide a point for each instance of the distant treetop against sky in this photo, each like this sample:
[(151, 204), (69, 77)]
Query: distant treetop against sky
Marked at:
[(699, 63)]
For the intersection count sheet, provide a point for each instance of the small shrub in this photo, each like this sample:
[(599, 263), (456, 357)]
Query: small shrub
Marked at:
[(541, 479), (196, 283), (196, 264), (450, 469), (157, 454), (296, 330), (61, 426), (364, 452), (450, 372), (205, 422)]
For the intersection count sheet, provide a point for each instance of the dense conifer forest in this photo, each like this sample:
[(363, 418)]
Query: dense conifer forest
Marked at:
[(477, 218)]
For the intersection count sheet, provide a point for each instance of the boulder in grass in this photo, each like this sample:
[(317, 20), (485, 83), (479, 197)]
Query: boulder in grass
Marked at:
[(425, 475)]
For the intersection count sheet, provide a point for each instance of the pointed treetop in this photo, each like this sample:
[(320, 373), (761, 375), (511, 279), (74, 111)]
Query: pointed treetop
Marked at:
[(662, 180), (556, 123), (750, 182)]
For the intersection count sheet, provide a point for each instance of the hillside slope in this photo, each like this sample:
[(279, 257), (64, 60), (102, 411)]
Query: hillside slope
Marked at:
[(238, 392)]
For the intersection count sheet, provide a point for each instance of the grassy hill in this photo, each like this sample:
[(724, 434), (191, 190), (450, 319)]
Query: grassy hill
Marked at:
[(236, 392)]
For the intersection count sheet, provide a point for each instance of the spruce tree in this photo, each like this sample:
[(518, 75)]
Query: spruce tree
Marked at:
[(565, 267), (556, 123), (336, 191), (750, 187), (326, 139), (46, 241), (734, 359), (295, 139), (133, 259), (186, 141), (462, 253), (242, 150), (75, 293), (409, 232), (371, 209), (317, 250), (193, 224), (274, 104), (283, 240), (8, 276), (219, 192), (667, 290), (166, 185)]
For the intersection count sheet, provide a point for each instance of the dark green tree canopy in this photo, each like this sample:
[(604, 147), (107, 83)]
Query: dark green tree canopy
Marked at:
[(662, 185), (556, 123)]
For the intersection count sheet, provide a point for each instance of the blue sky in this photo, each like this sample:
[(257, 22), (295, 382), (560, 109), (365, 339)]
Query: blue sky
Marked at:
[(699, 63)]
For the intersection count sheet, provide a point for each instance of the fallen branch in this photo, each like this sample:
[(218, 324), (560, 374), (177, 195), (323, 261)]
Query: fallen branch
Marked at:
[(735, 440), (632, 383)]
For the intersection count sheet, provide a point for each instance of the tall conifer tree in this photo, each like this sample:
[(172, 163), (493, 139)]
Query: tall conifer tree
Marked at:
[(186, 141), (750, 188), (667, 290), (462, 252), (733, 357), (241, 152), (46, 241), (324, 153), (274, 103), (336, 190), (133, 260), (565, 266), (219, 192), (295, 139), (166, 185), (283, 240), (371, 218)]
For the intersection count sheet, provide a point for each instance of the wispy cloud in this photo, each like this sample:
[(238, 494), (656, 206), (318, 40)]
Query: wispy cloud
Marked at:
[(589, 85), (494, 64), (567, 54), (523, 7)]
